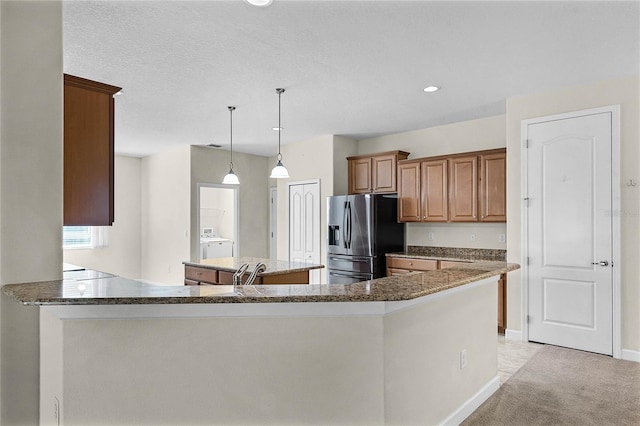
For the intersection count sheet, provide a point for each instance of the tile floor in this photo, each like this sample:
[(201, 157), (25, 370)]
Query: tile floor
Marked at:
[(512, 355)]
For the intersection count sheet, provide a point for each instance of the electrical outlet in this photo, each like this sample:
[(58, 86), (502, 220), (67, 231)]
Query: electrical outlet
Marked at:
[(463, 359), (430, 236), (502, 238), (473, 237)]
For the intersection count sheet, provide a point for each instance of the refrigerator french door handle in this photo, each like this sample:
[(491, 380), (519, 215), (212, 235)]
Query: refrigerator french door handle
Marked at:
[(344, 225), (349, 225)]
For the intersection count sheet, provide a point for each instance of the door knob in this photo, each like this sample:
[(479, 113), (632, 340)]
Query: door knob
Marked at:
[(601, 263)]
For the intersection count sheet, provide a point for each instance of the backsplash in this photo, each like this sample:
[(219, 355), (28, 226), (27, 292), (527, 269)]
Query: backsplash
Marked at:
[(486, 235), (459, 252)]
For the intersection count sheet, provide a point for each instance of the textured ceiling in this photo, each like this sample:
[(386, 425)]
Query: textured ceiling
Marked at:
[(352, 68)]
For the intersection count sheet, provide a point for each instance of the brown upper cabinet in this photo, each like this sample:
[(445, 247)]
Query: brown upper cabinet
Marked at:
[(466, 187), (463, 189), (423, 191), (493, 188), (88, 152), (375, 173)]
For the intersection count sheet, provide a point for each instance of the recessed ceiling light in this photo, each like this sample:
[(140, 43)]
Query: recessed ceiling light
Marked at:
[(431, 89), (260, 3)]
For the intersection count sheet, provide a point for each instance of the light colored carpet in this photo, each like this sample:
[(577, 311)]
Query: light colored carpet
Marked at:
[(560, 386)]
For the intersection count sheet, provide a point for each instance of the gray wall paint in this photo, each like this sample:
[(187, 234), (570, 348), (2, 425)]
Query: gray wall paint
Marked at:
[(210, 166), (30, 187)]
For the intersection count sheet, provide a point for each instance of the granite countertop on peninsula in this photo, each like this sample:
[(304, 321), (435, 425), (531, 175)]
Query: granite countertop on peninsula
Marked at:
[(274, 267), (123, 291)]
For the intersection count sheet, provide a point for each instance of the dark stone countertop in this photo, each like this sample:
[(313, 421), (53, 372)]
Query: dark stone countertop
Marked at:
[(122, 291)]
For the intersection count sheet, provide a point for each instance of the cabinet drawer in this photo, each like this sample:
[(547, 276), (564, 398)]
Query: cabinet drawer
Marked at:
[(201, 274), (412, 264)]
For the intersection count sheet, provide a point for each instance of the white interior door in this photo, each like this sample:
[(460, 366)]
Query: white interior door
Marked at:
[(304, 224), (569, 240)]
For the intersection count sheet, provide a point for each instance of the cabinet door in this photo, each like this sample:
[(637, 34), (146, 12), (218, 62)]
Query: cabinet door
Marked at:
[(88, 152), (493, 187), (463, 195), (360, 176), (502, 303), (434, 189), (409, 192), (383, 173)]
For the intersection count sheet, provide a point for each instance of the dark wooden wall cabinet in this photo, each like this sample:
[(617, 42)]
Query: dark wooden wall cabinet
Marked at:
[(468, 187), (374, 173), (88, 152)]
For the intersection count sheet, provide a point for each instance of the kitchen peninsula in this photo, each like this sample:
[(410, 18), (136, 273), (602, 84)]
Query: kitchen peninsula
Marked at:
[(385, 351), (220, 271)]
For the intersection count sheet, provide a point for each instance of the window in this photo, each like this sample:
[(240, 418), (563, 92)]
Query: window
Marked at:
[(84, 237)]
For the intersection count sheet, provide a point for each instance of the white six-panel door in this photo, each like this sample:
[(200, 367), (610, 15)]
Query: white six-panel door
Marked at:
[(304, 225), (569, 232)]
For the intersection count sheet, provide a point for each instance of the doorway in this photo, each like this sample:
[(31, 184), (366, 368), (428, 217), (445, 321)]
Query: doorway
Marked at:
[(218, 228), (304, 225), (570, 234)]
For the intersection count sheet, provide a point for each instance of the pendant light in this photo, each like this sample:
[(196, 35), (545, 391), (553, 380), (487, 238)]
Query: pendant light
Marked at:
[(231, 178), (279, 171)]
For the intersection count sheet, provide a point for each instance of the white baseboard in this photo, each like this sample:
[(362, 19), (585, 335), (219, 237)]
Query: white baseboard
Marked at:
[(630, 355), (472, 404), (513, 335)]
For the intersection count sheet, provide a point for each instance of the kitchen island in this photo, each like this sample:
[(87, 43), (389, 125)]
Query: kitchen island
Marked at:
[(385, 351), (220, 271)]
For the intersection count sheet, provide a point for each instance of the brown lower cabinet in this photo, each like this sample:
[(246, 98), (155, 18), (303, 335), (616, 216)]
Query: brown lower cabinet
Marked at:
[(404, 265), (194, 275)]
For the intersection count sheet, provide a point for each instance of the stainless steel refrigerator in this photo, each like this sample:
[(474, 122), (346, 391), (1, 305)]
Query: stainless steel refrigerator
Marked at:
[(362, 228)]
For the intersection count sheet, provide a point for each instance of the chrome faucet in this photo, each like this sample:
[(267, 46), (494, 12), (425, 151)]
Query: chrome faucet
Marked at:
[(237, 276), (260, 267)]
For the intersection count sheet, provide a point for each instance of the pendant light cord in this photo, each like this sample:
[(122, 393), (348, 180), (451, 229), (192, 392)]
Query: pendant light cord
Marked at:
[(231, 108), (280, 91)]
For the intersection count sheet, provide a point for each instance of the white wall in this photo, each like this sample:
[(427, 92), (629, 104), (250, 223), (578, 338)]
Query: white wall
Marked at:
[(342, 148), (30, 186), (209, 166), (122, 256), (466, 136), (625, 92), (166, 215)]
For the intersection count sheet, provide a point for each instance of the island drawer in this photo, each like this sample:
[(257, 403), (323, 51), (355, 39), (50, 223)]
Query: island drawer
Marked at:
[(411, 264), (225, 277), (201, 274)]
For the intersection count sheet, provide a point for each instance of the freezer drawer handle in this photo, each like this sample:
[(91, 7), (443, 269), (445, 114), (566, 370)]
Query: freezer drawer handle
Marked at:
[(351, 260), (335, 274)]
